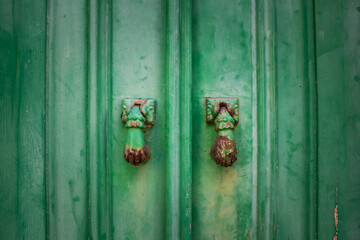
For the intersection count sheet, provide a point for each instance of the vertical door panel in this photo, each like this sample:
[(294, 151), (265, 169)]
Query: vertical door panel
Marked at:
[(138, 64), (222, 67), (338, 67), (22, 98), (9, 114), (296, 121), (67, 119)]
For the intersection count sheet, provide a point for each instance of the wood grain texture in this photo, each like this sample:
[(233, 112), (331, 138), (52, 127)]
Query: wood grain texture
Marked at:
[(266, 120), (98, 115), (66, 120), (66, 66), (138, 71), (222, 67), (22, 108), (338, 72), (296, 121)]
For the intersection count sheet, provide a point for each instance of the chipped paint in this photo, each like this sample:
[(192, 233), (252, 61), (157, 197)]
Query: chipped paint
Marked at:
[(336, 215), (336, 222)]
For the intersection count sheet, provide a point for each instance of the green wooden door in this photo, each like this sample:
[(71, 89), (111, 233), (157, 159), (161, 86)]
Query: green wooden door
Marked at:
[(66, 66)]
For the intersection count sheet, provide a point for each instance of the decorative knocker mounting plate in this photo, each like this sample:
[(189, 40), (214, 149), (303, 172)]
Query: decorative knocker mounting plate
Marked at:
[(224, 112), (137, 114)]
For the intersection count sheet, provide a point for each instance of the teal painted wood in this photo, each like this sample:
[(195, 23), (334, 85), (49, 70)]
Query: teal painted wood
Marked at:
[(9, 104), (186, 119), (66, 120), (286, 121), (222, 67), (178, 121), (22, 98), (138, 70), (296, 121), (172, 118), (266, 128), (60, 119), (338, 73), (98, 115)]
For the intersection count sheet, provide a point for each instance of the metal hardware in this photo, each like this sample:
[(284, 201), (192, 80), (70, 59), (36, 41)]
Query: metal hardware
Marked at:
[(137, 114), (224, 113)]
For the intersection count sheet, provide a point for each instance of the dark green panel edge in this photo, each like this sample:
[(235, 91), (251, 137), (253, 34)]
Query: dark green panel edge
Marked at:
[(338, 72), (22, 97), (178, 119), (98, 115)]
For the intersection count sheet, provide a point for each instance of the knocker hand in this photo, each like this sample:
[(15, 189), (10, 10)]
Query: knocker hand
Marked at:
[(135, 157), (224, 151)]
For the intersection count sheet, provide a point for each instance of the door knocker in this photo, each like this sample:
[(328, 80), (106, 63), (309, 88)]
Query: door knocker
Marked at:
[(137, 114), (224, 112)]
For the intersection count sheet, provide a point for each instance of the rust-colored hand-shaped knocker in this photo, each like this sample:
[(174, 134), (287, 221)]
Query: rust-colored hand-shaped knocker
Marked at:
[(224, 112), (136, 115)]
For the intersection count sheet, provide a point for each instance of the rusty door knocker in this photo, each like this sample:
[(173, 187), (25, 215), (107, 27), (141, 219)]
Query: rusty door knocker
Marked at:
[(224, 112), (137, 114)]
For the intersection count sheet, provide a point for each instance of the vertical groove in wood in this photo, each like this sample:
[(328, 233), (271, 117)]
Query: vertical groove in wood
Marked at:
[(94, 118), (312, 104), (186, 120), (172, 119), (108, 72), (46, 138), (254, 60), (48, 182), (315, 166), (178, 119), (266, 118), (97, 114)]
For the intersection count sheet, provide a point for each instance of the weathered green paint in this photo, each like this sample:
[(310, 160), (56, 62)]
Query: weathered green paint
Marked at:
[(222, 67), (295, 203), (22, 136), (178, 111), (338, 77), (264, 117), (186, 129), (66, 120), (138, 70), (67, 66)]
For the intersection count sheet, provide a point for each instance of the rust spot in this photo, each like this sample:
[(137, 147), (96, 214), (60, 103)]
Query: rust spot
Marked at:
[(224, 151), (336, 217), (135, 157)]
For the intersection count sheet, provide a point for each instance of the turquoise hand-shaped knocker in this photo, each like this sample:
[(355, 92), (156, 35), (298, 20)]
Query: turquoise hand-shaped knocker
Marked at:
[(136, 115), (224, 112)]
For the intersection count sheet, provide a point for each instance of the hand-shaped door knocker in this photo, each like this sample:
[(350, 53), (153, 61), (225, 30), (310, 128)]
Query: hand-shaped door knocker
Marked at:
[(224, 112), (136, 115)]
